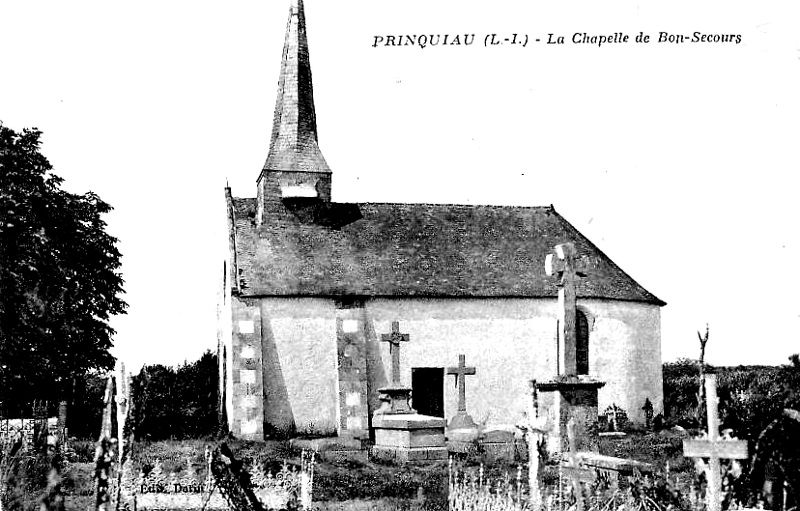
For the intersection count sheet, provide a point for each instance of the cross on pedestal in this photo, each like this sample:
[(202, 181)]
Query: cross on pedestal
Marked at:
[(713, 447), (561, 263), (394, 339), (461, 420), (574, 470), (460, 374)]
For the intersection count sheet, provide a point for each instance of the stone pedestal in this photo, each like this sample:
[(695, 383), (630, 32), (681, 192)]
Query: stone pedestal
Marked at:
[(403, 435), (397, 399), (462, 420), (569, 397)]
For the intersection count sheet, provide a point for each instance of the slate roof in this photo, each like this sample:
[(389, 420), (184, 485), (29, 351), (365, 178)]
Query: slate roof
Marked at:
[(417, 250)]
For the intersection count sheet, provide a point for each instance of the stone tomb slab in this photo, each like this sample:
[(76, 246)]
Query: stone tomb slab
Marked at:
[(407, 421), (622, 465), (498, 445), (409, 437)]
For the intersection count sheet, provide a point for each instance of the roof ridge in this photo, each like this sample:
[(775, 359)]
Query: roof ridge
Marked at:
[(451, 204)]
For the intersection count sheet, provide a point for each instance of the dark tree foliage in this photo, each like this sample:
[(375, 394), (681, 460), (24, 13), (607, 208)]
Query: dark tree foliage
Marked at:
[(176, 403), (750, 396), (59, 276), (86, 411)]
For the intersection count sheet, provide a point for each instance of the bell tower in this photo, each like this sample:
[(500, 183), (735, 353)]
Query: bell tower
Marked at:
[(295, 170)]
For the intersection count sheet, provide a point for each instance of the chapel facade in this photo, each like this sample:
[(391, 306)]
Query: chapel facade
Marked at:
[(311, 287)]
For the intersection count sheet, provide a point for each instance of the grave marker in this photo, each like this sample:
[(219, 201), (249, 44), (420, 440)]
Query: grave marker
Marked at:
[(713, 447), (395, 396), (394, 339), (460, 374), (569, 395), (462, 420), (401, 434)]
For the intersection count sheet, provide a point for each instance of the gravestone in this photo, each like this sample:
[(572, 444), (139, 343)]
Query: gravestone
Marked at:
[(714, 448), (461, 420), (647, 408), (498, 445), (462, 432), (616, 419), (397, 396), (568, 396), (401, 434), (394, 339)]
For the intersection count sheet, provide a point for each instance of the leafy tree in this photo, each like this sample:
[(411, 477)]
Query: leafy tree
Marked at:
[(176, 402), (59, 276)]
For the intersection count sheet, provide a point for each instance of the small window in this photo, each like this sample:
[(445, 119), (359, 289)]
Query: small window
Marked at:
[(582, 348)]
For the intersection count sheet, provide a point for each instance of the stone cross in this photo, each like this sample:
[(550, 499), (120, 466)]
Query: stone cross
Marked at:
[(394, 339), (713, 447), (460, 373), (562, 263), (574, 470)]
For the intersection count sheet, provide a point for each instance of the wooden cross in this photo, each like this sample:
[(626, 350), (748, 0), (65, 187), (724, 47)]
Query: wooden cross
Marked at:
[(561, 263), (534, 431), (713, 447), (460, 373), (574, 470), (394, 339)]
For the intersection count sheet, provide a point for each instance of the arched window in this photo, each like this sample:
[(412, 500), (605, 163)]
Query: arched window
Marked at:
[(582, 348)]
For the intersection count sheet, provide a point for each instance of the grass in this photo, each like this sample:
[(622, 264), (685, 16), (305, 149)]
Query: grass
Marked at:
[(352, 485)]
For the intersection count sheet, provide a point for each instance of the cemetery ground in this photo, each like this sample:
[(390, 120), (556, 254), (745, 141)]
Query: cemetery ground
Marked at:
[(348, 480), (758, 403)]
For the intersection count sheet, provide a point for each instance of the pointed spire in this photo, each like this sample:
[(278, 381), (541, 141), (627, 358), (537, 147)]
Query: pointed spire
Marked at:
[(293, 146)]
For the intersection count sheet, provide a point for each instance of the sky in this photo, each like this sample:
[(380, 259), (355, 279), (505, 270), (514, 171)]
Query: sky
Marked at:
[(678, 160)]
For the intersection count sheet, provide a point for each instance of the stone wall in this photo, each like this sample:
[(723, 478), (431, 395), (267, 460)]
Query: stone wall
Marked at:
[(625, 352), (301, 384), (509, 341)]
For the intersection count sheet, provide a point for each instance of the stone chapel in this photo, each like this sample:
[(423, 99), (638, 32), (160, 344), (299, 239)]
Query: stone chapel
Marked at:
[(312, 288)]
